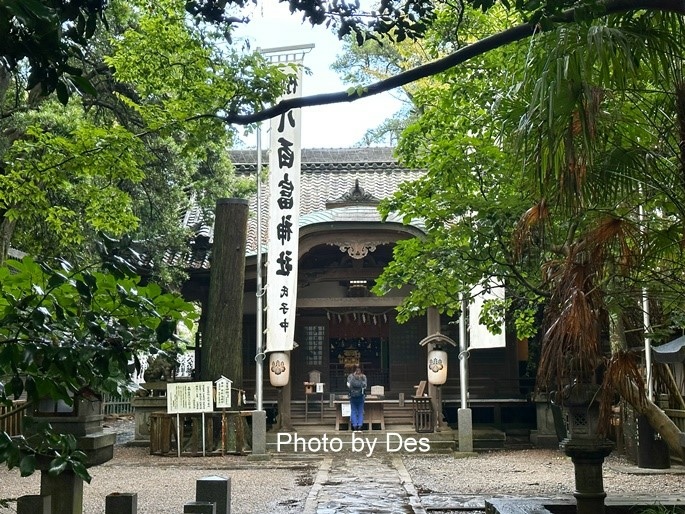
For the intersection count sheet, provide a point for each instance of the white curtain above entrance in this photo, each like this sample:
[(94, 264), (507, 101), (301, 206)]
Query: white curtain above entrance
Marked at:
[(479, 335)]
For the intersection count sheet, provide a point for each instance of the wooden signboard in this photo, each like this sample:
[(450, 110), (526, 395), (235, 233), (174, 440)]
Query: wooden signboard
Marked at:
[(223, 393), (189, 397)]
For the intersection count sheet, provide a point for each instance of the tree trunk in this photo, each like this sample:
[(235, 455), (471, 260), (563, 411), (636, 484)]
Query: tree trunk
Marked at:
[(667, 378), (6, 231), (657, 418), (222, 347)]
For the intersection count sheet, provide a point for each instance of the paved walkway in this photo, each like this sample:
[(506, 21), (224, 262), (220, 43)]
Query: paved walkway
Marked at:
[(350, 484)]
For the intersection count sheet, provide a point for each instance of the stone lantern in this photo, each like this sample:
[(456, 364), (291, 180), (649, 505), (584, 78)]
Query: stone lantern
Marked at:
[(584, 445), (82, 419)]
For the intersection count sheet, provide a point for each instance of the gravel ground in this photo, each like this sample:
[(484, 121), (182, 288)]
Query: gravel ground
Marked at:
[(534, 473), (282, 484), (165, 484)]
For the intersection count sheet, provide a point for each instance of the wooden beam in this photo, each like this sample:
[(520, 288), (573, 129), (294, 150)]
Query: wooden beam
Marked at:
[(323, 275), (348, 303)]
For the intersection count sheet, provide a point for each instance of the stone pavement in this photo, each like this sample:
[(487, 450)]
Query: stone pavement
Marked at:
[(352, 484)]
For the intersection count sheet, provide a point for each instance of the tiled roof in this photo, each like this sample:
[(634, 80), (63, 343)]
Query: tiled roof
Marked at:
[(349, 180)]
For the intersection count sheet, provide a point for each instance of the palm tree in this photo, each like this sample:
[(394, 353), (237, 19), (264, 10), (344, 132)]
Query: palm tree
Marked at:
[(601, 120)]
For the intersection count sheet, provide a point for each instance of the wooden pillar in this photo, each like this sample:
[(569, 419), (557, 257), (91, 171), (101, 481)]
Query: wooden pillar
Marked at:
[(222, 345), (284, 403), (435, 392)]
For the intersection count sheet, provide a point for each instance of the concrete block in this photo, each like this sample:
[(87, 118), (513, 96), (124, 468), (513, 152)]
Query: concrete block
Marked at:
[(34, 504), (215, 489), (199, 508), (121, 503)]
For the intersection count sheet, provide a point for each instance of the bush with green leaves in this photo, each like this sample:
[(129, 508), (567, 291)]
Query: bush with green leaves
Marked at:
[(64, 331)]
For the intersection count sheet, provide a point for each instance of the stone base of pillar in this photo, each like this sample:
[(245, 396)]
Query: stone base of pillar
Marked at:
[(259, 432), (465, 427)]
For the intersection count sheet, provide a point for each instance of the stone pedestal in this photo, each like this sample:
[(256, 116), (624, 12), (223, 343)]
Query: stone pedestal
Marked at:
[(98, 447), (588, 456), (550, 426), (144, 406)]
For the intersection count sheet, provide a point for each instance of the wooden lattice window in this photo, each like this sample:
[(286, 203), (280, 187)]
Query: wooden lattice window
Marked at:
[(313, 339)]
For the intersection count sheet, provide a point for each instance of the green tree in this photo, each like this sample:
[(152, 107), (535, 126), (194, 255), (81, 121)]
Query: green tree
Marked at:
[(538, 157), (397, 20), (64, 331), (127, 158)]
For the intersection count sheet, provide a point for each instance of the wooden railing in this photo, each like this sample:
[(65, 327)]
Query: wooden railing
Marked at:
[(11, 418)]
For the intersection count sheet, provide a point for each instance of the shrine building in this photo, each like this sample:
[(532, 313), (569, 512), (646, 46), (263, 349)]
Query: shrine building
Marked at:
[(343, 247)]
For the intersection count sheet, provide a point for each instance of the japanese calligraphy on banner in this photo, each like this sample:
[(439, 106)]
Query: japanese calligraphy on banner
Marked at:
[(284, 220), (479, 335), (188, 397)]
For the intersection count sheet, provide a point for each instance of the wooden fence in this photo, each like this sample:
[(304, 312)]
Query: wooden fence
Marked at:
[(115, 405), (11, 418)]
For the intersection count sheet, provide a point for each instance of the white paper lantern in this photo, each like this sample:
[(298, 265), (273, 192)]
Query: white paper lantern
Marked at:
[(437, 367), (279, 368)]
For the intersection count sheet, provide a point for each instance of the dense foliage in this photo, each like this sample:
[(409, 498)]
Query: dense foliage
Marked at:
[(555, 168), (137, 149), (66, 332)]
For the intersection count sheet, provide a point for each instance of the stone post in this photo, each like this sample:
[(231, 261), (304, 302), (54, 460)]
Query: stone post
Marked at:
[(34, 504), (216, 490), (465, 424), (199, 508), (258, 435), (121, 503), (66, 490)]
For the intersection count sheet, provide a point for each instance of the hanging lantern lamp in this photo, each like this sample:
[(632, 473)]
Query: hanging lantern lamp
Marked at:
[(437, 357), (437, 366), (279, 368)]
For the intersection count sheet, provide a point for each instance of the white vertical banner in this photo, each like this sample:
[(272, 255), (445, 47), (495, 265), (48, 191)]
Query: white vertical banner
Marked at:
[(479, 335), (284, 219)]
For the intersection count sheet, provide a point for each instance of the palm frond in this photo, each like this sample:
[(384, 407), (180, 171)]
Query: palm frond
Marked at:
[(533, 218), (623, 377)]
